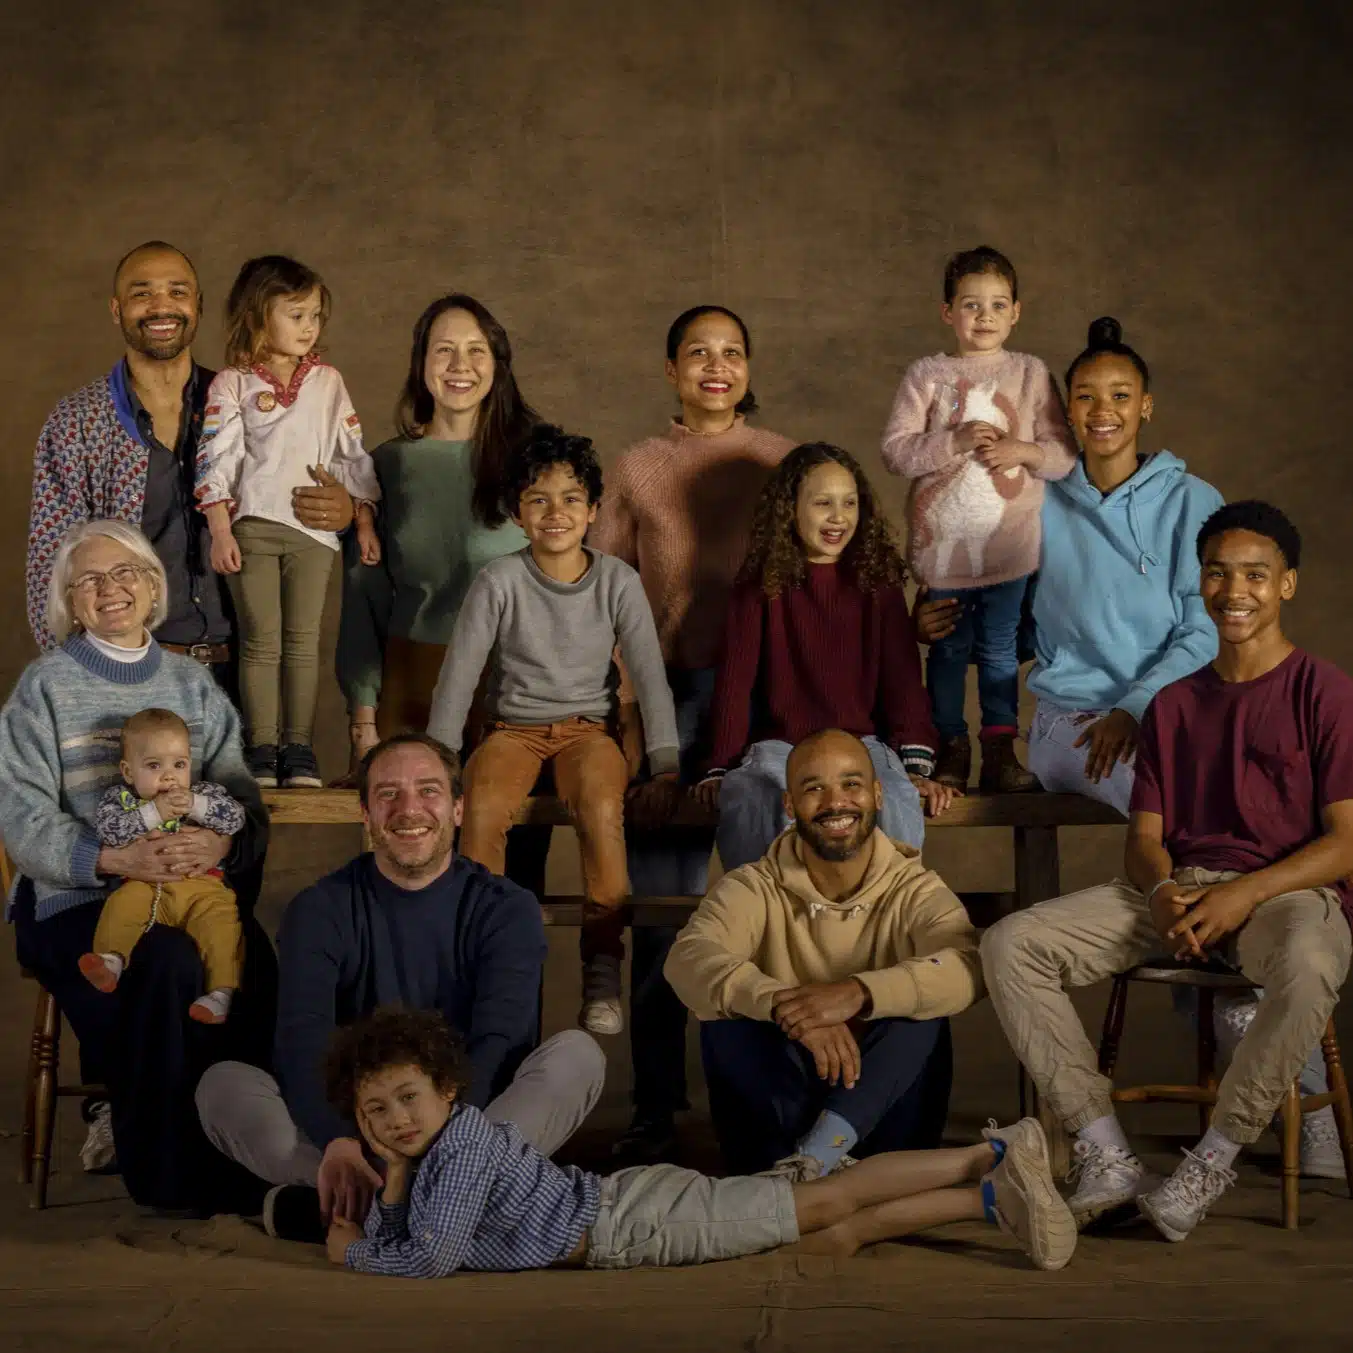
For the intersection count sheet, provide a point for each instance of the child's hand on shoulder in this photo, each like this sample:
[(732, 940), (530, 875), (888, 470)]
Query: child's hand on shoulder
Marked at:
[(975, 436), (342, 1233), (367, 539)]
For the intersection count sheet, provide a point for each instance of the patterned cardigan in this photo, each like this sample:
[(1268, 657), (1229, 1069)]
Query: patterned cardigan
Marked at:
[(90, 464)]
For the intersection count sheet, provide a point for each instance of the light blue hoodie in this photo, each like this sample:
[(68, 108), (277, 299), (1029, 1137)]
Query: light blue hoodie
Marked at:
[(1117, 609)]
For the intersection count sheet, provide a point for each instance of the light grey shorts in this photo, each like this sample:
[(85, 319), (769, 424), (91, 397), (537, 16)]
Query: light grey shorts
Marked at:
[(661, 1215)]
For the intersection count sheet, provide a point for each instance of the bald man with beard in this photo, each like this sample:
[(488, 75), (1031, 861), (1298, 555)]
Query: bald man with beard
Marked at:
[(124, 447), (823, 976)]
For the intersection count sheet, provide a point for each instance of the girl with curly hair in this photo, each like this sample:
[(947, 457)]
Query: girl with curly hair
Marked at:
[(818, 635)]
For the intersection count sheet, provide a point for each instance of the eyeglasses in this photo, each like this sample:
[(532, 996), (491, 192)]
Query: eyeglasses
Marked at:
[(124, 575)]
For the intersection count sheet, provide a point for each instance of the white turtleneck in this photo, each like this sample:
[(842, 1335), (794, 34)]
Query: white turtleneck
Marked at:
[(127, 655)]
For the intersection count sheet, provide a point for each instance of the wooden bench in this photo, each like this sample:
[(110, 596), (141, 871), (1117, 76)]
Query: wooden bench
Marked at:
[(1034, 819)]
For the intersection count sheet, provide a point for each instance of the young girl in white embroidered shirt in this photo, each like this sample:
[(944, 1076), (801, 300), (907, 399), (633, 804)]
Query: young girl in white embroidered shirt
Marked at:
[(276, 413)]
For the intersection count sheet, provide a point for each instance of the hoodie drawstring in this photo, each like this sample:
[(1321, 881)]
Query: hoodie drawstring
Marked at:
[(1144, 556)]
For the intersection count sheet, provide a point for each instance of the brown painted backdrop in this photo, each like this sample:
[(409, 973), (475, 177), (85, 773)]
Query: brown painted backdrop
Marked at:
[(589, 169)]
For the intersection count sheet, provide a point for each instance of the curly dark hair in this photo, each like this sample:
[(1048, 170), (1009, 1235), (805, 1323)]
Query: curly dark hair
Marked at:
[(393, 1036), (775, 559), (1263, 519), (546, 446)]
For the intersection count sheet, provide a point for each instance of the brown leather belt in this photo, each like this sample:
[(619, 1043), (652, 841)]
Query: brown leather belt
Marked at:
[(204, 653)]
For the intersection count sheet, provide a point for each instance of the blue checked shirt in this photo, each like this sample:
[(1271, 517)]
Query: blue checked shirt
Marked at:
[(481, 1198)]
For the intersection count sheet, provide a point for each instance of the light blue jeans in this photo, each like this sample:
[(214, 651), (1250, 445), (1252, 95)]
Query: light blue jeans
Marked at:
[(1060, 765), (751, 801)]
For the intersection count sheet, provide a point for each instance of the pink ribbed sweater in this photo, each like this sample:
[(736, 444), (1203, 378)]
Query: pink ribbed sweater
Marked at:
[(679, 509)]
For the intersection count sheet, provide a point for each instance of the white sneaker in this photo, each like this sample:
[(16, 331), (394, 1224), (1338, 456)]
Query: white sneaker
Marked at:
[(1321, 1155), (1183, 1199), (1028, 1206), (601, 1012), (98, 1155), (1105, 1177)]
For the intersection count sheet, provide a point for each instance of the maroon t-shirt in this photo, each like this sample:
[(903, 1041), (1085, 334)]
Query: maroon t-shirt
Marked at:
[(1242, 770)]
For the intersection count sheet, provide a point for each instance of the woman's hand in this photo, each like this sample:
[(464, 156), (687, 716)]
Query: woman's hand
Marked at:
[(935, 620), (193, 851), (140, 861), (368, 541), (1112, 739), (935, 796), (342, 1233)]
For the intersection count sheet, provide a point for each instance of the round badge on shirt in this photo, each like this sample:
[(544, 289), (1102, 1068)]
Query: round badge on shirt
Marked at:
[(265, 401)]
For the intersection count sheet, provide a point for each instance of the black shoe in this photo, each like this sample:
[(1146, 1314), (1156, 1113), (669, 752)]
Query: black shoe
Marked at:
[(297, 767), (291, 1212), (647, 1141), (262, 763)]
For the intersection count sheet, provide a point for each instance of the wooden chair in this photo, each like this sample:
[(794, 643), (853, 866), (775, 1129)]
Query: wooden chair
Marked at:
[(42, 1088), (1207, 982)]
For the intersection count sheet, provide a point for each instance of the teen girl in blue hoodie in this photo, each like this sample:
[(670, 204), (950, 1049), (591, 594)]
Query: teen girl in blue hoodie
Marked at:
[(1117, 611)]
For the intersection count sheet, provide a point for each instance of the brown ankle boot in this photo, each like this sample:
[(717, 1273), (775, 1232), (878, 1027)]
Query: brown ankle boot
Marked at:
[(953, 766), (1001, 770)]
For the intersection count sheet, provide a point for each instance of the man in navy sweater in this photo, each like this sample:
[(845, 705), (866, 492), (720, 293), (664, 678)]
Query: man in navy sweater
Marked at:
[(416, 925)]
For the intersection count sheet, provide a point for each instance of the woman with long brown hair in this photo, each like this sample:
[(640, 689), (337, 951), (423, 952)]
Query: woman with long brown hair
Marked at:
[(460, 416), (818, 636)]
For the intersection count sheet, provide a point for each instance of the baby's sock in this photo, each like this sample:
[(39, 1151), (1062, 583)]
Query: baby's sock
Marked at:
[(1106, 1131), (102, 970), (213, 1007), (1217, 1149), (829, 1139)]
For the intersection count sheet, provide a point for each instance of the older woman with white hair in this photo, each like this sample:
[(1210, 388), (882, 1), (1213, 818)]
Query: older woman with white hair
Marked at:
[(59, 751)]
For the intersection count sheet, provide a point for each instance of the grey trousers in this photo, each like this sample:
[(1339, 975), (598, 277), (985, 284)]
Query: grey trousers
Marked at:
[(246, 1119)]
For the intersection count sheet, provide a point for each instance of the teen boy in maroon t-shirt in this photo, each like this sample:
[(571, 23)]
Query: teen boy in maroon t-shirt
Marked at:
[(1240, 850)]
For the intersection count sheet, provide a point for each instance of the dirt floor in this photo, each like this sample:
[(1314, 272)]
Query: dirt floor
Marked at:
[(89, 1273)]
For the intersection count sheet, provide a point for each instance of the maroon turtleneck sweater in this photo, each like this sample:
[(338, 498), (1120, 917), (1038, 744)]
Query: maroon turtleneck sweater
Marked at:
[(821, 655)]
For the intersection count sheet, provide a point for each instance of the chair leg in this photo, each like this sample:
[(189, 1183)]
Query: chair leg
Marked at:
[(30, 1091), (1114, 1018), (48, 1040), (1291, 1112), (1207, 1053), (1343, 1109)]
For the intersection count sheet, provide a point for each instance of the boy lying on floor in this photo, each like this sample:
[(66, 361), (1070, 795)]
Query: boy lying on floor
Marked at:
[(462, 1192)]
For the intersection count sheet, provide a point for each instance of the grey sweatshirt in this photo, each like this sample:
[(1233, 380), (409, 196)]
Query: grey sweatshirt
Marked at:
[(548, 646)]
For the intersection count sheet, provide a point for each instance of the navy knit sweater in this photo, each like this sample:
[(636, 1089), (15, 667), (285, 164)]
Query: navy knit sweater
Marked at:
[(471, 945)]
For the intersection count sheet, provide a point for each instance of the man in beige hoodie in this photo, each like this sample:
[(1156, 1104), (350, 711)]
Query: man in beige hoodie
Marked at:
[(823, 976)]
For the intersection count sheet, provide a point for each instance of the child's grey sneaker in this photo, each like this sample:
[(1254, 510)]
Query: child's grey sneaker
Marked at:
[(98, 1155), (1105, 1178), (1322, 1157), (1028, 1206), (1182, 1201)]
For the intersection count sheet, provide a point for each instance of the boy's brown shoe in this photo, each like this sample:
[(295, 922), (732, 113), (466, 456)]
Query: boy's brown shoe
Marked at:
[(953, 766), (1001, 769)]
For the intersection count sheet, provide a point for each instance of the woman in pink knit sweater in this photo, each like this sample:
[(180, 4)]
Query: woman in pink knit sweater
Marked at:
[(678, 507)]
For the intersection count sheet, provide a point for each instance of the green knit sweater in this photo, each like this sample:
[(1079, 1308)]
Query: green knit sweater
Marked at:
[(432, 548)]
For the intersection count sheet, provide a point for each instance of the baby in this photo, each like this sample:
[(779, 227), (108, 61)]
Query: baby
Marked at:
[(157, 794)]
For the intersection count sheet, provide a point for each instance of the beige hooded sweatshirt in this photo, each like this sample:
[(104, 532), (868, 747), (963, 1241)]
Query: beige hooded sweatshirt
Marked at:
[(765, 927)]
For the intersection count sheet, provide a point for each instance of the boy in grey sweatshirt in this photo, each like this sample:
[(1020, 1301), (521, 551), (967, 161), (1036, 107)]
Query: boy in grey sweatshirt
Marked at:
[(539, 628)]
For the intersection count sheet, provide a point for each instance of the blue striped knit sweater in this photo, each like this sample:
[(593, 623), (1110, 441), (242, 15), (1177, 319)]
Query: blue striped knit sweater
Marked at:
[(59, 740)]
